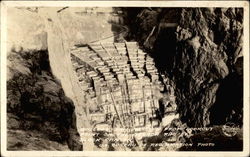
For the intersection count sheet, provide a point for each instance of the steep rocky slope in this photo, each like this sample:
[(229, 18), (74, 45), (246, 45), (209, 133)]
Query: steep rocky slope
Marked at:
[(36, 103), (40, 116), (199, 49)]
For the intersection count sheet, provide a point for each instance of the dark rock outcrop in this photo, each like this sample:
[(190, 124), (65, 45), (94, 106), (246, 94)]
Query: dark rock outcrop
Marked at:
[(38, 109), (199, 49), (215, 140)]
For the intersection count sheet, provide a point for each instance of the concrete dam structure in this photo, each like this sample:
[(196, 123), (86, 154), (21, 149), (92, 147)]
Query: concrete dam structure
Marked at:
[(123, 89), (115, 78)]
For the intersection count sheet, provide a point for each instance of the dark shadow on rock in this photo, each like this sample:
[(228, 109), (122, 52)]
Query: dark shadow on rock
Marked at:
[(229, 103), (36, 98), (214, 140)]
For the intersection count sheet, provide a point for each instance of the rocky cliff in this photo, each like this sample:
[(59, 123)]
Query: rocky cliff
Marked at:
[(200, 50), (37, 105), (40, 116)]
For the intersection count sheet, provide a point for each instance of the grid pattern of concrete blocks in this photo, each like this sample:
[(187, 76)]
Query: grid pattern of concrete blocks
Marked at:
[(124, 81)]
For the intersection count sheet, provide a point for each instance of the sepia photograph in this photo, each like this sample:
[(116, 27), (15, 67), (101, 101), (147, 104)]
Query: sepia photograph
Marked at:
[(143, 77)]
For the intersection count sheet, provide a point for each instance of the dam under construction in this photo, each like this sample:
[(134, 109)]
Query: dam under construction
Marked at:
[(126, 95), (123, 78)]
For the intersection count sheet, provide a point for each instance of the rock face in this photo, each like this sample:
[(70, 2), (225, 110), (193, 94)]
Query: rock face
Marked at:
[(215, 140), (199, 49), (36, 101), (40, 116)]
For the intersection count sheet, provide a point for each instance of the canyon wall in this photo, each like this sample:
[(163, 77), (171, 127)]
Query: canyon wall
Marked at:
[(41, 111), (200, 50)]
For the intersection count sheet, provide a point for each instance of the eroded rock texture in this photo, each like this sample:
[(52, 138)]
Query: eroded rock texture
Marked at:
[(36, 103), (199, 49), (39, 115)]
